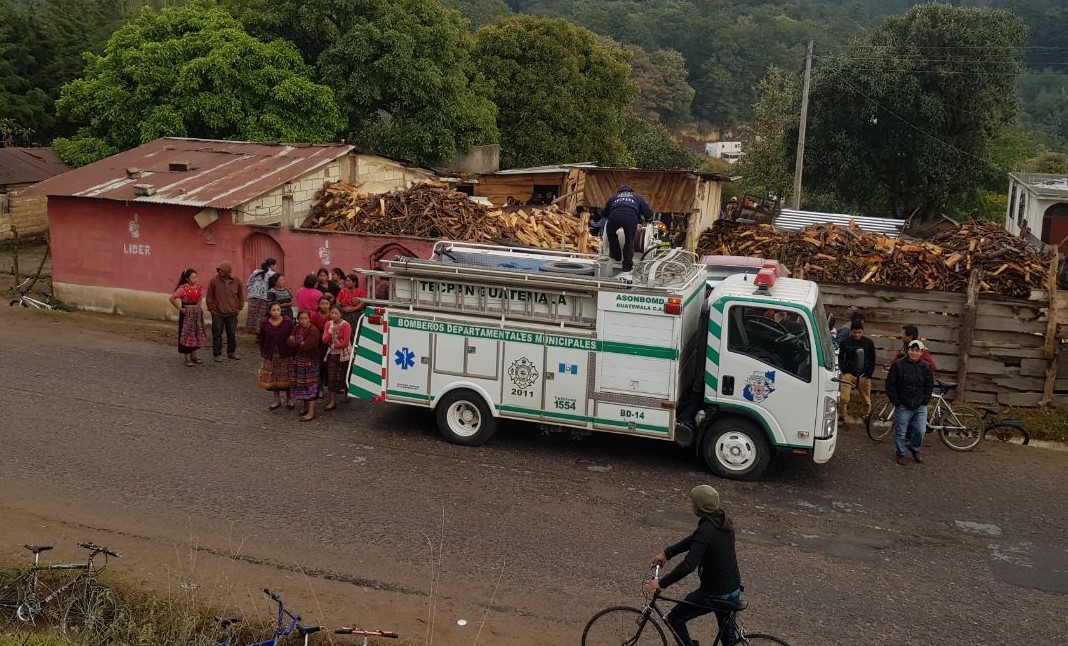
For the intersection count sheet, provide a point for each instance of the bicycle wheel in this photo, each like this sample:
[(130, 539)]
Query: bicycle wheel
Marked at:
[(881, 419), (961, 429), (622, 626), (10, 598), (91, 614), (760, 639), (1009, 433)]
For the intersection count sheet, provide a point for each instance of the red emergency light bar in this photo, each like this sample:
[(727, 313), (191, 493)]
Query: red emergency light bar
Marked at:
[(765, 278), (673, 305), (376, 318)]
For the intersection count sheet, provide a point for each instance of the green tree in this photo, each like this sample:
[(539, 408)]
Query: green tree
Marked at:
[(192, 71), (767, 168), (902, 122), (481, 12), (1047, 161), (663, 91), (564, 94), (651, 146)]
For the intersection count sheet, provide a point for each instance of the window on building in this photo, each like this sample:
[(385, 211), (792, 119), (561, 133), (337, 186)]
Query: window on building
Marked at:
[(5, 208), (777, 338), (1021, 208)]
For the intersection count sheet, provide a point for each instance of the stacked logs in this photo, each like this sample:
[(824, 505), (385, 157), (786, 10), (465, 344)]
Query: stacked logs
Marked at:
[(837, 254), (432, 210)]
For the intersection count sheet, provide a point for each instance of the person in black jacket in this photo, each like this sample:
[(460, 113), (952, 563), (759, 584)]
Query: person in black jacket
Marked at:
[(856, 370), (909, 387), (623, 210), (710, 551)]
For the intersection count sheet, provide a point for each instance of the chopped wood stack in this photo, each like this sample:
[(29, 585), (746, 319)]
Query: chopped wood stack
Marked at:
[(432, 210), (837, 254)]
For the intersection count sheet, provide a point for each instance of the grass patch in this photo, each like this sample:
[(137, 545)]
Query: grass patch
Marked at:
[(1050, 424)]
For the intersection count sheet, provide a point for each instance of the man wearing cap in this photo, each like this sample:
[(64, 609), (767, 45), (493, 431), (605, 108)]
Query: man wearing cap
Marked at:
[(225, 298), (622, 211), (910, 333), (909, 387), (710, 551)]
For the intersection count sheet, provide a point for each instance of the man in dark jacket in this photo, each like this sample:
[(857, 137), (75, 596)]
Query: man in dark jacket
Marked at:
[(710, 551), (909, 387), (623, 210), (225, 298), (856, 361)]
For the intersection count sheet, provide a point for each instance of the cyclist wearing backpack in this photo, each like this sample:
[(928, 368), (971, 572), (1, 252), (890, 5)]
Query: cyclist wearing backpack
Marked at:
[(710, 551)]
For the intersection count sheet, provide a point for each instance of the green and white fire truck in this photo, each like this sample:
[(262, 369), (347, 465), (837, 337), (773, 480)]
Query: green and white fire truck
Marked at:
[(483, 333)]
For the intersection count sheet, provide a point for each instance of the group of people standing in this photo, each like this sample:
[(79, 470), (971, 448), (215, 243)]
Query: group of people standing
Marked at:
[(909, 383), (303, 357)]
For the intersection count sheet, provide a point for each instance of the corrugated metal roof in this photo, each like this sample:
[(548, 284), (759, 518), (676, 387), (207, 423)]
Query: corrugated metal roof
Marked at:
[(221, 175), (791, 220), (594, 168), (29, 165), (1044, 184)]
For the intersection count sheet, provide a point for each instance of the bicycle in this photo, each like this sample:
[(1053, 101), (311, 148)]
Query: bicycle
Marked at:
[(282, 628), (366, 634), (89, 612), (23, 298), (960, 429), (1010, 430), (631, 626)]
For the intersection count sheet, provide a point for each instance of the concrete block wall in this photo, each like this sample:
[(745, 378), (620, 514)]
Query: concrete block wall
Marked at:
[(270, 208), (28, 215)]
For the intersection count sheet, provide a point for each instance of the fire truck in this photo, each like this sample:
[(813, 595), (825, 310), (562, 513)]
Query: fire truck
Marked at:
[(481, 334)]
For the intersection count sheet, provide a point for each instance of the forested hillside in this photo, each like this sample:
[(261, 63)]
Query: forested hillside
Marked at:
[(728, 46)]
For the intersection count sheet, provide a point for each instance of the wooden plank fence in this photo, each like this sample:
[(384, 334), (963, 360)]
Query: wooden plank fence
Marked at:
[(1002, 350)]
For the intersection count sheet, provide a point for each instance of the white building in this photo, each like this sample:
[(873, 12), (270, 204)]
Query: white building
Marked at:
[(728, 150), (1038, 208)]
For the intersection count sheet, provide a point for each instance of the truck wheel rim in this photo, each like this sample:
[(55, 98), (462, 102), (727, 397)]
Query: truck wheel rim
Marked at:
[(735, 451), (464, 419)]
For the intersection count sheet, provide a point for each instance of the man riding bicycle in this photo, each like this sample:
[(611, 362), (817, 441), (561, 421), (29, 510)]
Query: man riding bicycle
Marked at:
[(710, 551)]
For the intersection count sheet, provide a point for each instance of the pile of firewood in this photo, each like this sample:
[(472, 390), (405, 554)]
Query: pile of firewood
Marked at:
[(837, 254), (432, 210)]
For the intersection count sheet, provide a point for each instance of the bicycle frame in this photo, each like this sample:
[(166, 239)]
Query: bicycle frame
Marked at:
[(27, 610), (281, 627)]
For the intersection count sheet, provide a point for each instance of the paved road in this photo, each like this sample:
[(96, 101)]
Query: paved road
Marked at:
[(365, 515)]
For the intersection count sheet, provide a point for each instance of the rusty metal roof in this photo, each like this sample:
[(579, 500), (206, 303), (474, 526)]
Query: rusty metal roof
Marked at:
[(29, 165), (205, 173)]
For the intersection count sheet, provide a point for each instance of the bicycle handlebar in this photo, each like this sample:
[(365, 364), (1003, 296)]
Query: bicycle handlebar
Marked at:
[(273, 596), (93, 547), (370, 633)]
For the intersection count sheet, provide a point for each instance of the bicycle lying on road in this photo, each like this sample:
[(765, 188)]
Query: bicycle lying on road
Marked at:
[(89, 607), (960, 428), (285, 625), (631, 626)]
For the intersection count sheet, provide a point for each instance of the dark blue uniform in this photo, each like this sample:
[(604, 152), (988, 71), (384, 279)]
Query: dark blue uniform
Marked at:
[(622, 211)]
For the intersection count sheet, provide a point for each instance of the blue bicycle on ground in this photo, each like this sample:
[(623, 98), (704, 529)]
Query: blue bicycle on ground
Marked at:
[(287, 624)]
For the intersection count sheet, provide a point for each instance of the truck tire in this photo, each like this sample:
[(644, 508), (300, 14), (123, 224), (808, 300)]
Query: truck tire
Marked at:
[(568, 267), (464, 418), (736, 448)]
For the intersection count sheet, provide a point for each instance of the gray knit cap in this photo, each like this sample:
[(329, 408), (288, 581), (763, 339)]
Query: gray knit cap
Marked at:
[(705, 499)]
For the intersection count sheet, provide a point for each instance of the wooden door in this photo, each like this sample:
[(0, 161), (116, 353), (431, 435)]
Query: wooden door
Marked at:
[(258, 247), (1055, 226)]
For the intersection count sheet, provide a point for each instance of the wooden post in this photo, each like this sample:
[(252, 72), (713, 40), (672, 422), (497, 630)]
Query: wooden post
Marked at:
[(15, 254), (1049, 349), (967, 330), (584, 233)]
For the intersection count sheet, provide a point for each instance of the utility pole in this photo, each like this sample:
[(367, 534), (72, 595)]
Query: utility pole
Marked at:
[(799, 162)]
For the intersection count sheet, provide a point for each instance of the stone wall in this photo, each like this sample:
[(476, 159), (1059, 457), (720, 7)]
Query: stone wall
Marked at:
[(28, 215)]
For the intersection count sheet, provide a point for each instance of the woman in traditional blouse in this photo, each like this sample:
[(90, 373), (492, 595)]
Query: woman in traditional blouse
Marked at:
[(338, 339), (350, 299), (276, 369), (278, 292), (324, 285), (257, 295), (304, 340), (186, 299)]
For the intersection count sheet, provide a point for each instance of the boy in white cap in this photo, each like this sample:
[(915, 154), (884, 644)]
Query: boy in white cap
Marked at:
[(909, 386), (710, 551)]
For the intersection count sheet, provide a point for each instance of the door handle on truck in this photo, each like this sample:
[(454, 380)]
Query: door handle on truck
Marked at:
[(728, 385)]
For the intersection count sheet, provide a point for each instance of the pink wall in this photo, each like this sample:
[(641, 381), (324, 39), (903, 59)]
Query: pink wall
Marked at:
[(146, 246)]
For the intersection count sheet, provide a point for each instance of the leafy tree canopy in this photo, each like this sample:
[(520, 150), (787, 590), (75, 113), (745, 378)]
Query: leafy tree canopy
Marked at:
[(663, 93), (563, 93), (192, 71), (1047, 161), (402, 69), (767, 168), (652, 146), (895, 129)]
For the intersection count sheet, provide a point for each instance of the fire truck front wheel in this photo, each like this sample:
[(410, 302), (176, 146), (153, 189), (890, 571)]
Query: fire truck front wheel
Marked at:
[(464, 418), (736, 448)]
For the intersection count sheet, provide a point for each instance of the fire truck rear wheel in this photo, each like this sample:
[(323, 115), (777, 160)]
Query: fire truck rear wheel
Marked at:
[(464, 418), (736, 448)]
